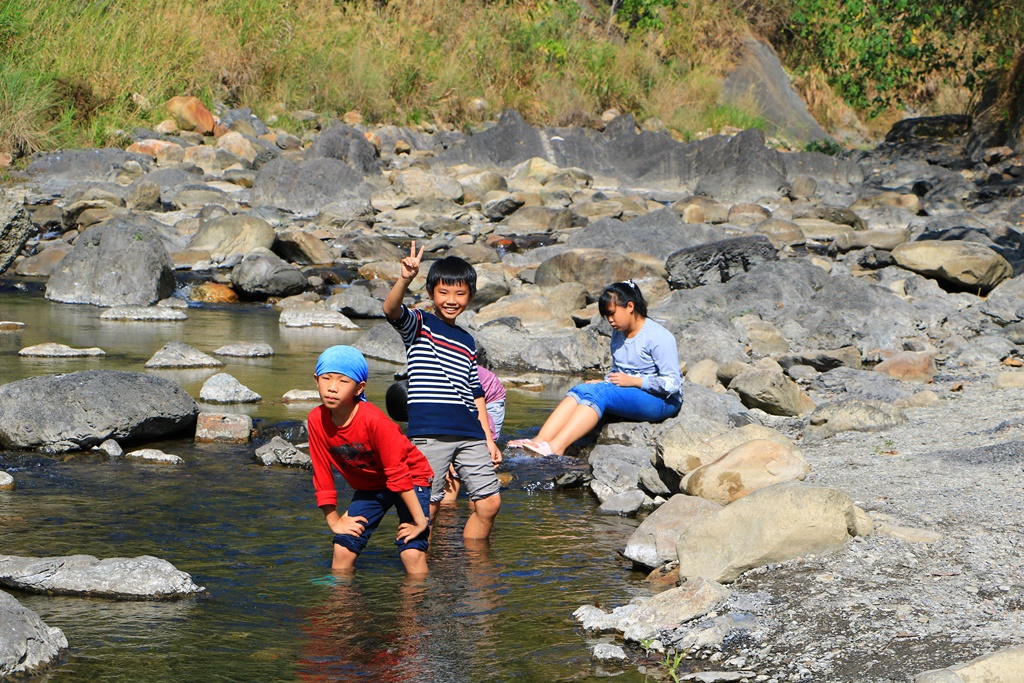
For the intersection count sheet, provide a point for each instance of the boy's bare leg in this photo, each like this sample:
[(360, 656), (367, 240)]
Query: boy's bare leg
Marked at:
[(343, 558), (479, 524), (557, 420), (415, 561), (580, 422)]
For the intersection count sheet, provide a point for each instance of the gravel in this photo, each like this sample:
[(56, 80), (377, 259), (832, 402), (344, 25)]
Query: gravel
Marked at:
[(882, 608)]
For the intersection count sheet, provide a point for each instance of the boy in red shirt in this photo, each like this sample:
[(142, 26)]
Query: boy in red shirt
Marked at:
[(354, 437)]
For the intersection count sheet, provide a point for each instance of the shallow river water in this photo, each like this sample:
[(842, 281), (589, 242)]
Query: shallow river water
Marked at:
[(253, 536)]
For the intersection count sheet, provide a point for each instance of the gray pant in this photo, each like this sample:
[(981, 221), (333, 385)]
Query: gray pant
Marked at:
[(472, 463)]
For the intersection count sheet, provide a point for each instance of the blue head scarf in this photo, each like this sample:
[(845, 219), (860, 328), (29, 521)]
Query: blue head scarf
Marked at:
[(343, 360)]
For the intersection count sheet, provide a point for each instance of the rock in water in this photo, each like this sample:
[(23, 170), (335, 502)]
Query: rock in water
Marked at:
[(117, 263), (117, 577), (27, 645), (82, 409)]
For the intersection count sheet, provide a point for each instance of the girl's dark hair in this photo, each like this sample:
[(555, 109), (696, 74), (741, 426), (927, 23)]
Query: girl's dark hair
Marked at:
[(451, 271), (621, 294)]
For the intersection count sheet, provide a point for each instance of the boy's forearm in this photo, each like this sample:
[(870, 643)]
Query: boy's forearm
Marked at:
[(331, 515), (393, 301), (413, 504)]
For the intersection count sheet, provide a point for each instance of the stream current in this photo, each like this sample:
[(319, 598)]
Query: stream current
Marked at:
[(253, 536)]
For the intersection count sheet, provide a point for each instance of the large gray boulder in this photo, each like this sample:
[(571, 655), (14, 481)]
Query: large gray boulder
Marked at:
[(745, 170), (132, 578), (82, 409), (15, 229), (27, 645), (308, 186), (773, 524), (263, 273), (120, 262)]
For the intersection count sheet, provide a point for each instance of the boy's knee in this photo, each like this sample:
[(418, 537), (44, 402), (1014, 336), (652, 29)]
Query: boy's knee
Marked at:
[(489, 506)]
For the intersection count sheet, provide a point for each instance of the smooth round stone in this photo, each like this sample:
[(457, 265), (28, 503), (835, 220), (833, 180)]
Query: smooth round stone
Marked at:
[(11, 326), (143, 313), (52, 350), (301, 396), (154, 455), (223, 388), (6, 482), (245, 350)]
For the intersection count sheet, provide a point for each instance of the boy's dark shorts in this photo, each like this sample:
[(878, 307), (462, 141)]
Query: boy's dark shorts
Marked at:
[(373, 505)]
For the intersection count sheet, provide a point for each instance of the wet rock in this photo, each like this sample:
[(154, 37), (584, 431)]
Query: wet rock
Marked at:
[(772, 524), (110, 447), (81, 409), (860, 415), (245, 350), (6, 481), (155, 455), (177, 354), (132, 578), (28, 647), (606, 652), (15, 230), (120, 262), (143, 314), (52, 350), (654, 541), (625, 503), (263, 274), (279, 452), (223, 427), (671, 608), (314, 315), (301, 396), (223, 388), (746, 468)]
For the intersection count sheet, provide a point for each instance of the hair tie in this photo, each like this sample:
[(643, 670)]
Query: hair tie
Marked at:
[(630, 283)]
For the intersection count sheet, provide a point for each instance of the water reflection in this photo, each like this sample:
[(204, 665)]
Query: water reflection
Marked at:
[(254, 537)]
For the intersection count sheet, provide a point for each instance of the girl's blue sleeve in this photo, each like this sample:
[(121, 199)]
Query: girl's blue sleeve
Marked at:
[(665, 354)]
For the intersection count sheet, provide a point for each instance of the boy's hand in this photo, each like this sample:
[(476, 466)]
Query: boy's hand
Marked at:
[(411, 263), (495, 452), (349, 526), (407, 531)]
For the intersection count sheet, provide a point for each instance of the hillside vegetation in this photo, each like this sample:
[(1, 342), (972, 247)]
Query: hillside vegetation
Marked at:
[(79, 72)]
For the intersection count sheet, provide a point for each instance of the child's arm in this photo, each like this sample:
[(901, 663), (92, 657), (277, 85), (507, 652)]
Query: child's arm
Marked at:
[(406, 531), (343, 524), (492, 447), (410, 269)]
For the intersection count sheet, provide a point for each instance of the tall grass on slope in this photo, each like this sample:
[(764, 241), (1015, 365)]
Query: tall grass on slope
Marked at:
[(100, 66)]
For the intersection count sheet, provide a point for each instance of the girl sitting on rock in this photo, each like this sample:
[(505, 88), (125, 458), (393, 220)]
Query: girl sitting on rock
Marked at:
[(644, 384)]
